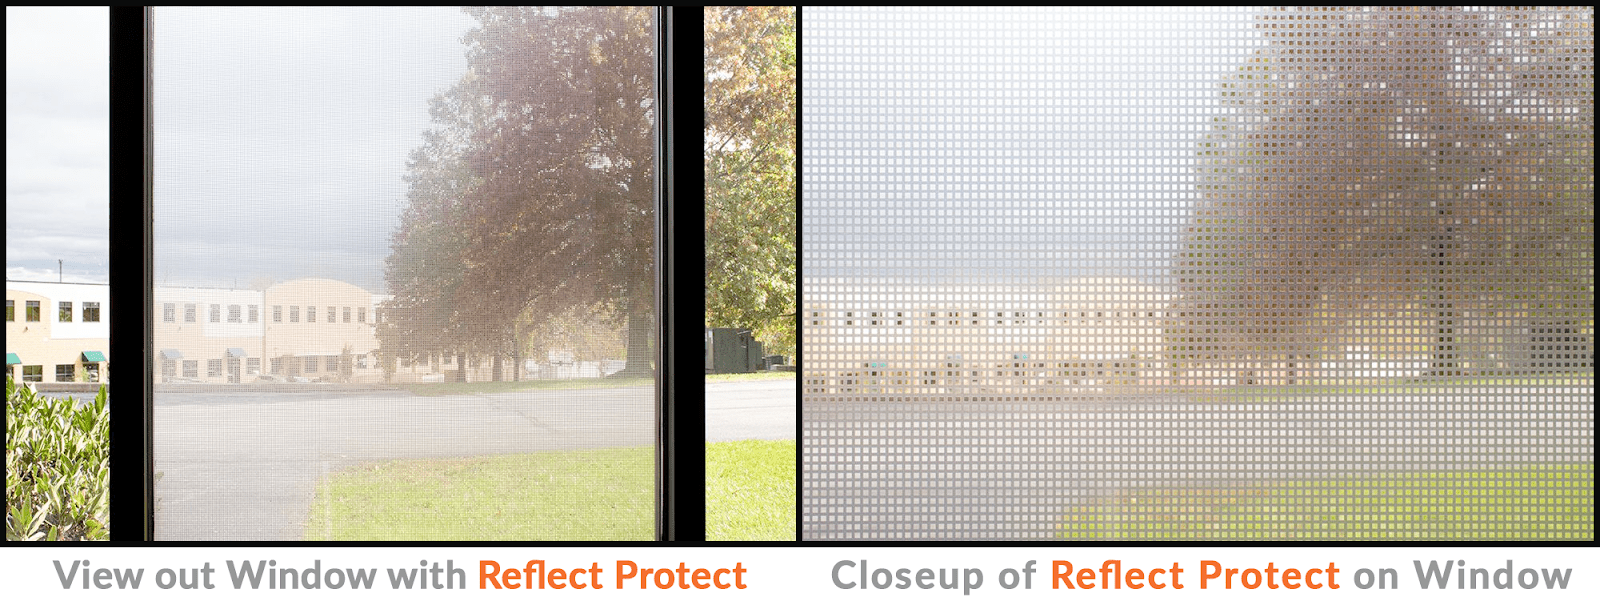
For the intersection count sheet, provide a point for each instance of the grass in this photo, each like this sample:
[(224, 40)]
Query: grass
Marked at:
[(1548, 502), (440, 389), (749, 377), (606, 494), (750, 490)]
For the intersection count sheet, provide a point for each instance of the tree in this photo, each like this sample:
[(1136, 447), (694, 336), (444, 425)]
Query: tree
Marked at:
[(750, 171), (1436, 157), (535, 193), (564, 216)]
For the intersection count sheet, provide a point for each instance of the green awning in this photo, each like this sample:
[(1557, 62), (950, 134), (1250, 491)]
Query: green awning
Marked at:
[(12, 359), (93, 357)]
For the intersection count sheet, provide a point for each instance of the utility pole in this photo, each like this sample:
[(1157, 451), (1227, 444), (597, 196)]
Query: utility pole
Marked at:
[(59, 277)]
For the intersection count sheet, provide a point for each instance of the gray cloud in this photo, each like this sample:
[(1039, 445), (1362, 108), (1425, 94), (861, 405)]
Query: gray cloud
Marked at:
[(57, 142)]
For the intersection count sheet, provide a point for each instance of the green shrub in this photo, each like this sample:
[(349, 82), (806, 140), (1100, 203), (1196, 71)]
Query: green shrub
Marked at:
[(57, 466)]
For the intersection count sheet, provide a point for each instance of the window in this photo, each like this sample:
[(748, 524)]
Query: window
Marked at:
[(11, 310), (255, 313), (169, 368), (213, 368), (233, 314), (33, 310), (92, 371), (91, 312), (252, 366), (277, 314), (33, 373), (65, 372), (189, 313), (65, 313), (216, 313), (191, 368), (1295, 280), (361, 315), (219, 76), (277, 365), (169, 312)]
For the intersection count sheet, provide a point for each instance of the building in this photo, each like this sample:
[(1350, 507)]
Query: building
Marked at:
[(207, 335), (57, 332)]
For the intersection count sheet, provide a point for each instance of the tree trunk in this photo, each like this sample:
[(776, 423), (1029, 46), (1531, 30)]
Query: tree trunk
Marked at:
[(640, 360)]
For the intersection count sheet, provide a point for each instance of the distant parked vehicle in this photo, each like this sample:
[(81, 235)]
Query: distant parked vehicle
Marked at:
[(273, 378)]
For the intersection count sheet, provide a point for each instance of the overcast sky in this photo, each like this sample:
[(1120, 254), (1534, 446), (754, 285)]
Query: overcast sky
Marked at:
[(1006, 145), (282, 137), (57, 138)]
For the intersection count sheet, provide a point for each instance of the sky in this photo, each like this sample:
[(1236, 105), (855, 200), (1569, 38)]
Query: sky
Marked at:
[(1006, 145), (57, 143), (282, 137)]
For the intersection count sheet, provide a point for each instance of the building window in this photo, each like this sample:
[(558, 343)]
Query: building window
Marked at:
[(252, 365), (361, 315), (33, 310), (311, 364), (213, 368), (277, 314), (33, 373), (294, 314), (191, 368), (188, 313), (333, 363), (64, 372), (234, 314), (169, 312), (347, 314), (311, 314), (91, 312), (11, 310), (66, 312), (333, 314), (92, 372), (169, 368), (255, 313), (277, 365), (216, 313)]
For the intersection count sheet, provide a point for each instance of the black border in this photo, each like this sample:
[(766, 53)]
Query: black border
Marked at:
[(132, 502), (685, 281), (799, 281)]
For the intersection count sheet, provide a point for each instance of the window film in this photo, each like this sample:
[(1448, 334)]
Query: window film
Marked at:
[(483, 179), (1198, 274)]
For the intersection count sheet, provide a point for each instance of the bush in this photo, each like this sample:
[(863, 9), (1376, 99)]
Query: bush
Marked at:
[(57, 466)]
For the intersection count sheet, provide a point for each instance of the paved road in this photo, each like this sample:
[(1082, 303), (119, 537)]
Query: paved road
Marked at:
[(244, 465), (761, 409), (887, 467)]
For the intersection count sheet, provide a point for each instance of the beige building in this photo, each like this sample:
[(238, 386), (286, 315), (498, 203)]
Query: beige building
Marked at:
[(984, 339), (207, 335), (57, 332)]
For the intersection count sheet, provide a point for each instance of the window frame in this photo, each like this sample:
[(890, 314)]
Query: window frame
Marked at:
[(33, 311), (91, 312), (64, 311), (679, 410)]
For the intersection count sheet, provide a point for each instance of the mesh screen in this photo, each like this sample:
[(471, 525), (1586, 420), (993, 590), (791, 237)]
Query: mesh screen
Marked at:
[(1281, 274), (404, 285)]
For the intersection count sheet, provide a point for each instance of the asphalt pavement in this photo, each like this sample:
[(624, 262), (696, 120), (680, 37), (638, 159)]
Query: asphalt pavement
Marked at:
[(758, 409), (243, 465)]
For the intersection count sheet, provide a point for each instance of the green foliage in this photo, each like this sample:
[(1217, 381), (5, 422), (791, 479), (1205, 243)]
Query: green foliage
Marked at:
[(57, 466), (750, 490), (750, 172)]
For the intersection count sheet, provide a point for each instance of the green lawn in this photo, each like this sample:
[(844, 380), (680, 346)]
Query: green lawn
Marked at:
[(437, 389), (1542, 503), (750, 490), (604, 494), (749, 377)]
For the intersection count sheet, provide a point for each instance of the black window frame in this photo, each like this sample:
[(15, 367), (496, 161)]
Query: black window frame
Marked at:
[(680, 429)]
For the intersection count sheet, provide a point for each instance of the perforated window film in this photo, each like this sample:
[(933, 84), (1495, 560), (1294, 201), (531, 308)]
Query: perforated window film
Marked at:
[(1168, 274), (484, 180)]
